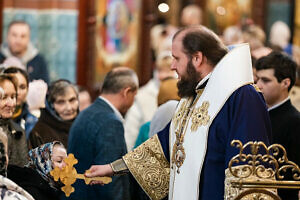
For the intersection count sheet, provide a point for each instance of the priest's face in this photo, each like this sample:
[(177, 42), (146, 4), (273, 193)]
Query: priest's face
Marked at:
[(187, 75), (272, 89)]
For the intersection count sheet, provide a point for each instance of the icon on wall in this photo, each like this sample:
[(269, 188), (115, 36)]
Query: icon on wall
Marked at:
[(116, 35)]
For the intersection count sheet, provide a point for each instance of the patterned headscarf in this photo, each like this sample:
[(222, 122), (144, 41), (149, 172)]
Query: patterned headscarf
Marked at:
[(40, 160)]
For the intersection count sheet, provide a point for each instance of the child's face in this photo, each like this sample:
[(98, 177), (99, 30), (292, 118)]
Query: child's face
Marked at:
[(58, 155)]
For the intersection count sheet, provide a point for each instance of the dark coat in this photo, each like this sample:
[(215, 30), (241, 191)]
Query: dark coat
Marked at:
[(36, 68), (17, 144), (31, 181), (49, 128), (29, 119), (97, 138), (285, 121)]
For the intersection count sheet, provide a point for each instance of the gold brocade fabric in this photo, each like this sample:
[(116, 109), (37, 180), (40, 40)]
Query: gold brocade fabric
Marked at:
[(200, 116), (231, 193), (256, 87), (148, 164)]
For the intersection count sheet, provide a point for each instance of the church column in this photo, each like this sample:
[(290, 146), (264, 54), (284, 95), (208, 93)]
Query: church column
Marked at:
[(258, 12)]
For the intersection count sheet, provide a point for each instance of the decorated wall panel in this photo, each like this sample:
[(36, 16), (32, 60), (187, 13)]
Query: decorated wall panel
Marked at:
[(54, 33), (117, 33)]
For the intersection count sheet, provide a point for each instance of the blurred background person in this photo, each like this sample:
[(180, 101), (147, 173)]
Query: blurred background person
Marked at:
[(35, 177), (161, 38), (280, 36), (256, 37), (145, 103), (191, 15), (167, 100), (17, 145), (62, 107), (13, 61), (84, 97), (22, 115), (18, 44), (232, 35), (36, 96)]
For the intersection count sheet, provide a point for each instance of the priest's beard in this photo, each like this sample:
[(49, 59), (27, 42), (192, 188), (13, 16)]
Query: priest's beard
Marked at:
[(188, 82)]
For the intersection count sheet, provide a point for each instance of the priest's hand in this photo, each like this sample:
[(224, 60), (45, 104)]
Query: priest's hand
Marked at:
[(99, 170)]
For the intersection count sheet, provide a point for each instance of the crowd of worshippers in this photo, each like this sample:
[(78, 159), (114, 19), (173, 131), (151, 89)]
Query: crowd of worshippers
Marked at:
[(42, 121)]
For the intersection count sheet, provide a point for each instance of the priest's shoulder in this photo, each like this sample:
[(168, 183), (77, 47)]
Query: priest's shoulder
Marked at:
[(249, 91)]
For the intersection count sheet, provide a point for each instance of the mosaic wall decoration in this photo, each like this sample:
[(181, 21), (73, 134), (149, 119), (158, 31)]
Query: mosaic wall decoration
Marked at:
[(54, 33)]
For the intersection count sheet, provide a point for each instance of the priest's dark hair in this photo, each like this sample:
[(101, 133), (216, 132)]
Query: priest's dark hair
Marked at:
[(200, 38)]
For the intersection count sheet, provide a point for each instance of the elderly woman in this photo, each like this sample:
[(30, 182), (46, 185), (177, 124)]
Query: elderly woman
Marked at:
[(9, 189), (62, 107), (17, 145), (35, 177)]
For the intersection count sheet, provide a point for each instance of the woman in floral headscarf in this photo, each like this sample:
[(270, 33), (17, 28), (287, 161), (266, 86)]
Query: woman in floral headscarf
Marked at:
[(9, 189), (35, 177)]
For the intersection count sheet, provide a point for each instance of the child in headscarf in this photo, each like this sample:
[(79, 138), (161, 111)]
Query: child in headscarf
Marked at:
[(35, 177)]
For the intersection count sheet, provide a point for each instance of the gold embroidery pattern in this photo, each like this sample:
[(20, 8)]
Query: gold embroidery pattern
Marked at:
[(256, 87), (179, 114), (232, 192), (200, 116), (150, 168), (275, 156), (256, 177), (178, 152)]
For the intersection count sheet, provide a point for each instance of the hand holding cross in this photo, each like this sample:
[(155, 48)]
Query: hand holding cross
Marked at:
[(68, 175)]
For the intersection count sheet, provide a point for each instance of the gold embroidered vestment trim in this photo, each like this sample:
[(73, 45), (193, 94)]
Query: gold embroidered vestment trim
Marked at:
[(148, 164), (199, 116)]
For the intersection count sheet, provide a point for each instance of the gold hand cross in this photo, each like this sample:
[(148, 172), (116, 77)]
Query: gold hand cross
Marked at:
[(68, 175)]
